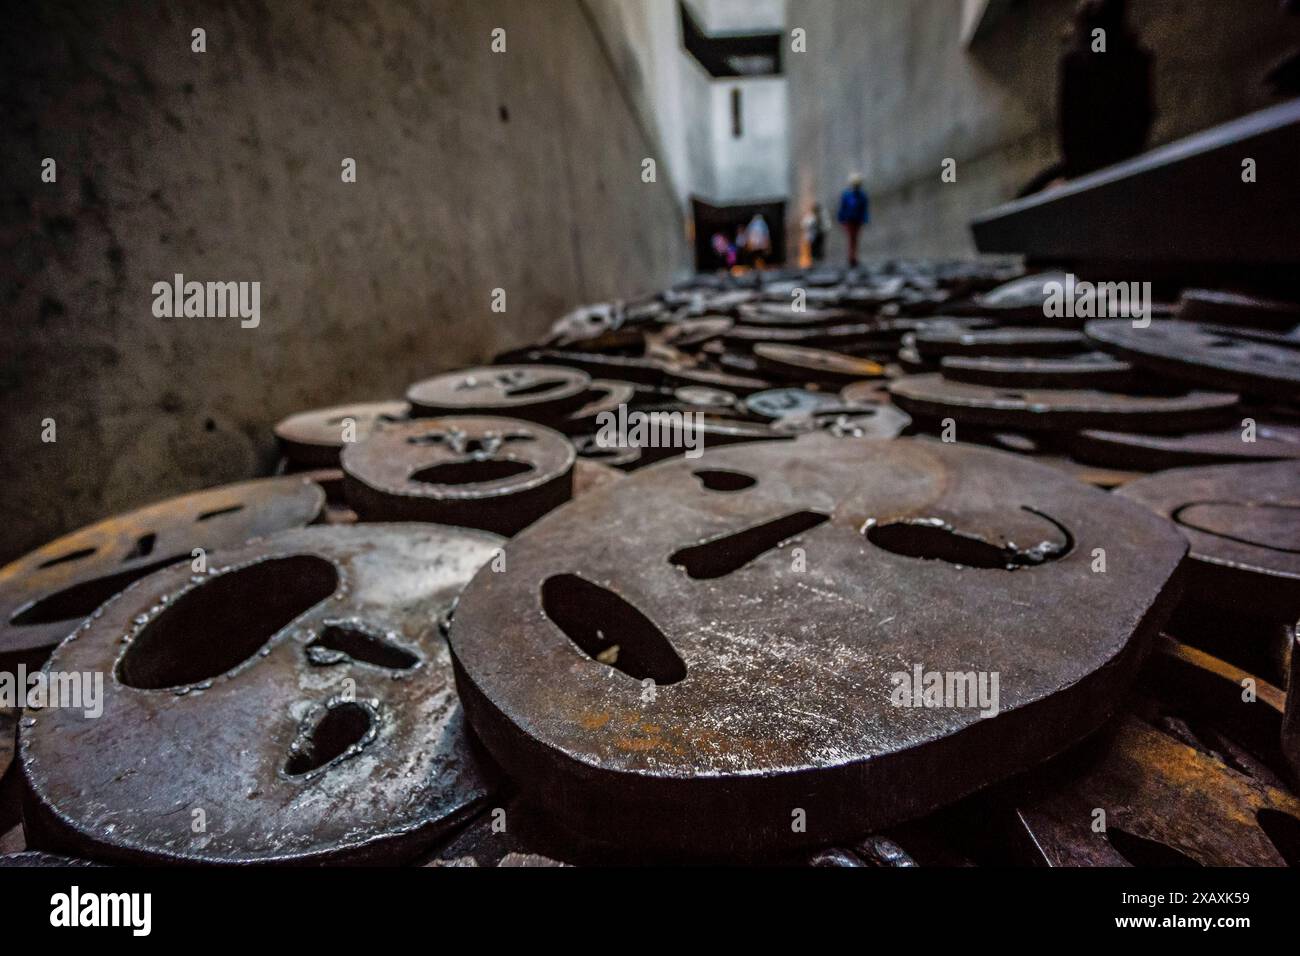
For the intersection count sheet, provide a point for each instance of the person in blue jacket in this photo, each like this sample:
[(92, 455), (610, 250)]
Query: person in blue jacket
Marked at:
[(855, 209)]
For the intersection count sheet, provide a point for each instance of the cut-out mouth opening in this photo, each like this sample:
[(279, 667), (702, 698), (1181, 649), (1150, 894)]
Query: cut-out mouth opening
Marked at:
[(340, 642), (537, 388), (472, 472), (342, 727), (609, 630), (933, 539), (217, 513), (65, 558), (722, 556), (216, 626), (80, 600), (1277, 533)]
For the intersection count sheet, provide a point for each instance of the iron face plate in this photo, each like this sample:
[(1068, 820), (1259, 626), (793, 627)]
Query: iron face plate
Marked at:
[(125, 785), (1243, 522), (736, 696), (541, 393), (314, 439), (1273, 442), (931, 396), (45, 594), (498, 474), (1092, 370), (1214, 356)]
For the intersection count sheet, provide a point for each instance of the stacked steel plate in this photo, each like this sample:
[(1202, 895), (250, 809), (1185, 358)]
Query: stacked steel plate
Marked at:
[(887, 567)]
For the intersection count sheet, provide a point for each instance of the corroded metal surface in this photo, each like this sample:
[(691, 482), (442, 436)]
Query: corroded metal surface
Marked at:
[(799, 364), (1243, 523), (862, 421), (998, 342), (1210, 356), (44, 594), (691, 333), (498, 474), (8, 729), (605, 396), (35, 858), (1021, 298), (314, 439), (1217, 307), (588, 449), (1092, 370), (540, 393), (1237, 443), (1291, 717), (873, 392), (1165, 803), (711, 644), (590, 475), (778, 403), (297, 701), (685, 375), (934, 397)]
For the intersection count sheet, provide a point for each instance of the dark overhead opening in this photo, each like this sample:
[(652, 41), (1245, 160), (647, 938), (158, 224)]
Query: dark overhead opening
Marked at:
[(757, 54)]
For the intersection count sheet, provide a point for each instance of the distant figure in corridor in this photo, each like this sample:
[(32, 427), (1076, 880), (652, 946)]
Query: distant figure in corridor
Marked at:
[(854, 211), (814, 232), (758, 239)]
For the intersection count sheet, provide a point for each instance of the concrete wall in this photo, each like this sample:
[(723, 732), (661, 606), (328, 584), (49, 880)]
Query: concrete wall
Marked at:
[(689, 112), (475, 171), (755, 165), (887, 87), (669, 86)]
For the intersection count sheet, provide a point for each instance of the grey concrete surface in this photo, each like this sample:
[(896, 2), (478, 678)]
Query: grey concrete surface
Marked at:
[(475, 171), (887, 88)]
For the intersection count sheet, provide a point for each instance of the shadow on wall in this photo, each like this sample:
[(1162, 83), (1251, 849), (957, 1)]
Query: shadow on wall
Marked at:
[(475, 170)]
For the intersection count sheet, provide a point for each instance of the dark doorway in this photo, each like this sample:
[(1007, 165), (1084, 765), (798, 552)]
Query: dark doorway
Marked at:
[(711, 220)]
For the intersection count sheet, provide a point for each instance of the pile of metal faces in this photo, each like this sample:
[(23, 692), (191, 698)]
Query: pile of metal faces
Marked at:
[(907, 565)]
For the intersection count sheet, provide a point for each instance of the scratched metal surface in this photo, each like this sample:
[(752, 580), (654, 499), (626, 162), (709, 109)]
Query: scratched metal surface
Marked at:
[(235, 744), (42, 593), (785, 698)]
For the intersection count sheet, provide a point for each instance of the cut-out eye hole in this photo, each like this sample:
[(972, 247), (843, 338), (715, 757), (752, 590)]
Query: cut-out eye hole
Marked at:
[(519, 436), (65, 558), (1012, 396), (722, 556), (430, 438), (933, 539), (610, 630), (214, 627), (341, 728), (143, 547), (835, 413), (716, 479), (470, 472), (1283, 831), (81, 599), (209, 515), (340, 642), (521, 391), (1143, 852)]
